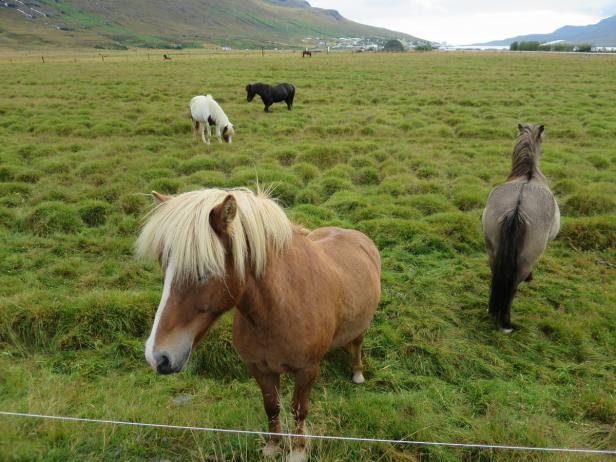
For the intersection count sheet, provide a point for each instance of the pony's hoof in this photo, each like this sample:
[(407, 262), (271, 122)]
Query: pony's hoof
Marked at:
[(506, 330), (358, 378), (270, 450), (529, 278), (297, 456)]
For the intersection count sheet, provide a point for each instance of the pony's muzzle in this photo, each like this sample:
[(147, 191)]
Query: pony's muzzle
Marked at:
[(165, 366), (163, 363)]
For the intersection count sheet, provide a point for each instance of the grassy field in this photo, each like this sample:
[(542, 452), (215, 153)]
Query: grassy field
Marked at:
[(403, 147)]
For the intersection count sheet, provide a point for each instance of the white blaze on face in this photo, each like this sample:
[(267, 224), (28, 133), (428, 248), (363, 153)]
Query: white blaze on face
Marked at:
[(149, 345)]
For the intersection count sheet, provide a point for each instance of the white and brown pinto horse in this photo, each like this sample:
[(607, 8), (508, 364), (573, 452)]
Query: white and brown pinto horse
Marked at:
[(206, 112), (521, 217), (297, 294)]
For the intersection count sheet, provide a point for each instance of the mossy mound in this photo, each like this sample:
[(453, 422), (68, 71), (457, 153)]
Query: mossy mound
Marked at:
[(28, 176), (330, 185), (462, 230), (165, 185), (7, 173), (49, 218), (323, 156), (94, 213), (133, 204), (208, 179), (429, 204), (197, 164), (366, 176), (589, 233), (590, 203), (305, 171), (7, 218), (564, 187), (411, 236), (469, 193)]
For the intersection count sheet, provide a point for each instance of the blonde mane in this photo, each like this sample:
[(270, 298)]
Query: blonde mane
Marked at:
[(178, 233)]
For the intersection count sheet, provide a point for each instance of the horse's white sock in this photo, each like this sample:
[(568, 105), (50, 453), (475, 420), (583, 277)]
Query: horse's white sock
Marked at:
[(358, 377), (297, 455), (271, 449)]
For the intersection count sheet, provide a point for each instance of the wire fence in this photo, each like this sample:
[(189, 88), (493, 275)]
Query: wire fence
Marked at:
[(511, 447), (155, 55)]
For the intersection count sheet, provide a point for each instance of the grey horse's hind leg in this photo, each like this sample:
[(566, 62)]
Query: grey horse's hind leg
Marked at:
[(529, 277)]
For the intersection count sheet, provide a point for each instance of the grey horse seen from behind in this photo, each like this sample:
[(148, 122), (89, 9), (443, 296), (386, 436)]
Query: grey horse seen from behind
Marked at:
[(519, 220)]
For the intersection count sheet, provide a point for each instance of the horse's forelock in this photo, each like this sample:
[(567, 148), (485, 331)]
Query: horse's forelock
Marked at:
[(178, 232)]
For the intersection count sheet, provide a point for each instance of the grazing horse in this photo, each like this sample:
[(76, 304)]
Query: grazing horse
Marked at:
[(306, 53), (205, 112), (297, 294), (271, 94), (521, 217), (166, 57)]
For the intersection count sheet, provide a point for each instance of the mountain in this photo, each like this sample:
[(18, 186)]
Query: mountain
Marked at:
[(175, 23), (601, 34)]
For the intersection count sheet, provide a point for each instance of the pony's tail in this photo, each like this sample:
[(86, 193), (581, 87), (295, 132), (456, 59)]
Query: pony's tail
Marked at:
[(505, 267)]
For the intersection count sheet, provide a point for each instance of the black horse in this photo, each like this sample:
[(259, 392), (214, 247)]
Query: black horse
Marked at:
[(271, 94)]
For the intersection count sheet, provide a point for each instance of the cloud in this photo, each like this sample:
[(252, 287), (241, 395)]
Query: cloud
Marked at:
[(471, 21)]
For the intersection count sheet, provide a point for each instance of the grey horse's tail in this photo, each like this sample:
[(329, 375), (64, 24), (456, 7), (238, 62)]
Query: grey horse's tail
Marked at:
[(505, 267)]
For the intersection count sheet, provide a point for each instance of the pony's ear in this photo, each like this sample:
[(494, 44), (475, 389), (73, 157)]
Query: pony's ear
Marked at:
[(159, 198), (248, 87), (223, 214), (541, 128), (520, 128)]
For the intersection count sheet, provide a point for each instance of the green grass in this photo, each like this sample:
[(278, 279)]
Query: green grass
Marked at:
[(403, 147)]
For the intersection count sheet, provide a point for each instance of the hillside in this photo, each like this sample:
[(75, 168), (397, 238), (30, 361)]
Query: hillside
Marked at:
[(601, 34), (160, 23)]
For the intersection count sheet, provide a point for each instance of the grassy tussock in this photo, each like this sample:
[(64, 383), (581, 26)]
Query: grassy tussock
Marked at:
[(410, 164)]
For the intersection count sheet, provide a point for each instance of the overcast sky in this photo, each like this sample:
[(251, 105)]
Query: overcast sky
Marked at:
[(463, 22)]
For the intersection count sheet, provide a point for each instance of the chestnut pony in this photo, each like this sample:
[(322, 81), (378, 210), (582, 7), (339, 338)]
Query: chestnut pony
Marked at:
[(297, 294)]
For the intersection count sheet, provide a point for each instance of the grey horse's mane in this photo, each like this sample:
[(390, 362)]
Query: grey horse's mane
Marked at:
[(525, 157)]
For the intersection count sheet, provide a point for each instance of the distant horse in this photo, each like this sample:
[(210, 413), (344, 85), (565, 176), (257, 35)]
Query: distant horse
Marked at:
[(166, 57), (306, 53), (521, 217), (297, 294), (206, 112), (271, 94)]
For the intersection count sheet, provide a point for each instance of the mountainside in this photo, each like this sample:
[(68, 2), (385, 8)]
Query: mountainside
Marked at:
[(162, 23), (601, 34)]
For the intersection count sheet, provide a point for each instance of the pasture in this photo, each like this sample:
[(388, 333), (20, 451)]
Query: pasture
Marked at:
[(403, 147)]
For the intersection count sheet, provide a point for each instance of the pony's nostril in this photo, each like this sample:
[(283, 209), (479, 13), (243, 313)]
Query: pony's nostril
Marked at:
[(163, 364)]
